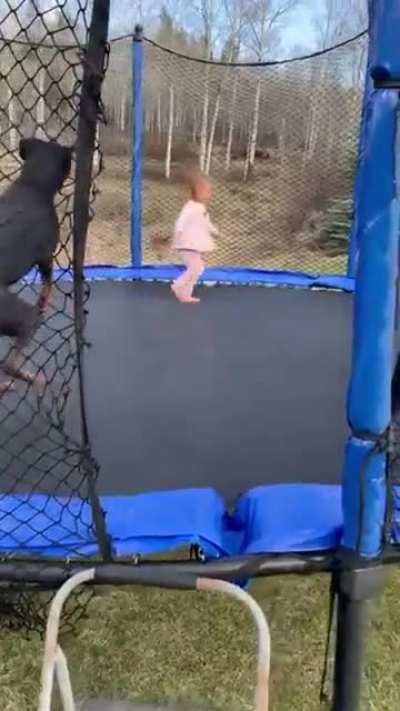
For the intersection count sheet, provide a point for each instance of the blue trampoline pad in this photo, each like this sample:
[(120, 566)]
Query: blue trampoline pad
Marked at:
[(269, 519)]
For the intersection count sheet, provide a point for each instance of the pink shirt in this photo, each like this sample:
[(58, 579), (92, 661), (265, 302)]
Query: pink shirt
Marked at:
[(193, 229)]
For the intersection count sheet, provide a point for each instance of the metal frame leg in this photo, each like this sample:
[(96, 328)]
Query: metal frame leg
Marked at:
[(355, 588)]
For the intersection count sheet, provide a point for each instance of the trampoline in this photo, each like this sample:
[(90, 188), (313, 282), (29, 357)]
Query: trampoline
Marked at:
[(194, 414), (256, 431)]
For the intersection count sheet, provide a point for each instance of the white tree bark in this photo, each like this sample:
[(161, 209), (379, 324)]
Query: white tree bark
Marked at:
[(228, 157), (41, 105), (254, 129), (204, 122), (247, 159), (123, 112), (170, 132), (96, 154), (194, 127), (12, 121), (159, 121), (210, 146), (316, 99), (312, 132)]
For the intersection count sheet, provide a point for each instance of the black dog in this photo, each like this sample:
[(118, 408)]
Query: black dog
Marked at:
[(29, 233)]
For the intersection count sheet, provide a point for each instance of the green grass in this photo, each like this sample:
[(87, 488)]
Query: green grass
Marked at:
[(157, 645)]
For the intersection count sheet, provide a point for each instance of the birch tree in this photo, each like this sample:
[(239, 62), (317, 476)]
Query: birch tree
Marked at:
[(264, 20), (358, 21), (170, 132), (236, 18), (171, 34), (41, 100), (204, 121), (335, 21), (12, 120), (208, 11), (211, 137)]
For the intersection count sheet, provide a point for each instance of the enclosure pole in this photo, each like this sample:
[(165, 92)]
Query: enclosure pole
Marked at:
[(366, 503), (137, 153), (355, 589), (90, 109), (351, 631)]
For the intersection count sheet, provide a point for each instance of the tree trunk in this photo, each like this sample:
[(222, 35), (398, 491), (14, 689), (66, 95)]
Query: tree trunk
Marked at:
[(12, 121), (41, 105), (122, 124), (204, 122), (212, 132), (316, 99), (254, 128), (223, 133), (313, 132), (231, 129), (170, 133), (147, 123), (159, 122), (96, 154), (194, 127), (247, 158)]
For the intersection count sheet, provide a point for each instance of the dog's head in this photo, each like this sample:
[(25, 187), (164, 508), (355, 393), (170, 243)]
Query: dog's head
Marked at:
[(46, 163)]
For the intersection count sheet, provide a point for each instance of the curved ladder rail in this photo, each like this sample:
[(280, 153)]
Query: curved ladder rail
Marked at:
[(55, 662)]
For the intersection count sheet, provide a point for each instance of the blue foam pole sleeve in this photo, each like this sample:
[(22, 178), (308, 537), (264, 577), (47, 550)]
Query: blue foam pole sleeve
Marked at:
[(384, 26), (137, 140), (369, 397)]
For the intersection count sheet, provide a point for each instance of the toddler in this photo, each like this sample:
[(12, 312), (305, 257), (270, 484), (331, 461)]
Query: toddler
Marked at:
[(193, 237)]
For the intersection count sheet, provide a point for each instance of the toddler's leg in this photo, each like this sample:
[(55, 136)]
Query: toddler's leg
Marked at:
[(184, 284)]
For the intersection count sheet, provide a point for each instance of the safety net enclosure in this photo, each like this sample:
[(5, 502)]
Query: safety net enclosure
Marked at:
[(279, 141), (50, 86), (220, 429)]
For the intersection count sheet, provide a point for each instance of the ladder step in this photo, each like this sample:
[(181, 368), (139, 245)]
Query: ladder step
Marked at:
[(104, 705)]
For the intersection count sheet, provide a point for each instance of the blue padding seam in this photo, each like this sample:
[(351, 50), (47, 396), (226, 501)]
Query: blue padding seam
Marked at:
[(364, 497)]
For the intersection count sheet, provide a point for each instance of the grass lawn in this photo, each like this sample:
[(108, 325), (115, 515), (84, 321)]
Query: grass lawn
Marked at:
[(256, 221), (156, 645)]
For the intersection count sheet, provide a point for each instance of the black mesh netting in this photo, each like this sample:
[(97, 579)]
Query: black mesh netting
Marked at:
[(46, 471), (280, 143), (109, 241)]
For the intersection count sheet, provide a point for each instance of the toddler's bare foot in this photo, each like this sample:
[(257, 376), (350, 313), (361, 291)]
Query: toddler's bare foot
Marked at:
[(44, 297), (6, 387), (190, 300), (37, 379), (176, 291), (183, 298)]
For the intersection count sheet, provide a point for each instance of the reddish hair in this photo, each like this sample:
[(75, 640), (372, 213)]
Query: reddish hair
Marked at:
[(194, 179)]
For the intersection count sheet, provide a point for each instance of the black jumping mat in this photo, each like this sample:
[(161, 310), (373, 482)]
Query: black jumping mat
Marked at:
[(247, 387)]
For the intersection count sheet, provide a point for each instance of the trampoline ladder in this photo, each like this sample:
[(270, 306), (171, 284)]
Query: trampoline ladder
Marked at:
[(55, 665)]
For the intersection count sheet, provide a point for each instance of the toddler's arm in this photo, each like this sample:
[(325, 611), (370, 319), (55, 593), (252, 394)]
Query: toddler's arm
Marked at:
[(182, 217)]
